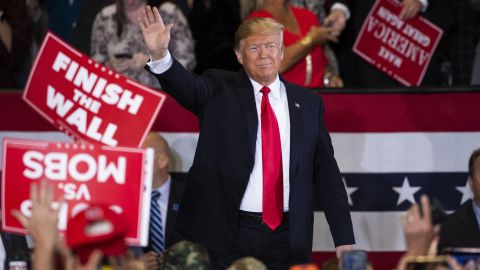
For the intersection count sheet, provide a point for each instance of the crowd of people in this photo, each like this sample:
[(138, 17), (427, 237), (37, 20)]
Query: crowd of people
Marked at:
[(424, 239), (319, 36)]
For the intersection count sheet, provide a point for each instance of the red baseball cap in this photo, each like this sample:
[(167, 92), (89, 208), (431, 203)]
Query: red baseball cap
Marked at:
[(97, 227)]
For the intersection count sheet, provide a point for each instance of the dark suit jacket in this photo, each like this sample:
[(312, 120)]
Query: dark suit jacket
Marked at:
[(177, 185), (225, 105), (460, 229)]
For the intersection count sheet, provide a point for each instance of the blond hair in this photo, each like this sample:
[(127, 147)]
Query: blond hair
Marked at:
[(258, 26), (247, 263)]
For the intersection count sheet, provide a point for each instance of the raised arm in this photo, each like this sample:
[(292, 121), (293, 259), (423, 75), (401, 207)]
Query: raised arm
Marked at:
[(155, 33), (189, 90)]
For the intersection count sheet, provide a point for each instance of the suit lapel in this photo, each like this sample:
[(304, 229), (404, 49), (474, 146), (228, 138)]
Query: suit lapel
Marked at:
[(244, 91), (470, 221), (294, 109), (173, 207)]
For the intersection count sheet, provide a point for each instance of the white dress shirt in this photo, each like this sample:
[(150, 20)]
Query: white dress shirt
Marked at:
[(252, 199)]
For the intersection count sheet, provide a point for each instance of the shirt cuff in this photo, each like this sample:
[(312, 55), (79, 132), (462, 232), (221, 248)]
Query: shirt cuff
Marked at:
[(343, 8), (424, 5), (161, 65)]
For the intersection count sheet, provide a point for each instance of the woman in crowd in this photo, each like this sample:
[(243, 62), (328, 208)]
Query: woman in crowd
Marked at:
[(304, 61), (117, 40)]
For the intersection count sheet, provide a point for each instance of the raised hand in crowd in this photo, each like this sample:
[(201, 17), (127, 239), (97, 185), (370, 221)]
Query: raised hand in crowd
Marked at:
[(418, 228), (155, 33), (410, 9), (42, 224), (419, 232)]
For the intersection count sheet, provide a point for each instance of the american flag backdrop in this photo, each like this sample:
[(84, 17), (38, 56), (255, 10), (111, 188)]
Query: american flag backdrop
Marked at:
[(390, 147)]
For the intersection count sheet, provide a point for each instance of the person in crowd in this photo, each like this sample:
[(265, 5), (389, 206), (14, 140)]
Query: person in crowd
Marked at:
[(421, 238), (38, 15), (318, 8), (213, 25), (186, 255), (15, 40), (116, 39), (182, 46), (247, 263), (262, 148), (62, 16), (42, 226), (91, 245), (167, 190), (462, 228), (347, 17), (304, 62), (420, 233), (82, 34)]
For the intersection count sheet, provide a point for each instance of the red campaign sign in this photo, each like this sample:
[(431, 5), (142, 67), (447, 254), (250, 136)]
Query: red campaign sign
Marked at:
[(84, 174), (87, 100), (401, 49)]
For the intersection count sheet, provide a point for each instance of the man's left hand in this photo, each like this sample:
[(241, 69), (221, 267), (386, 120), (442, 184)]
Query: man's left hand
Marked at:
[(342, 248), (410, 9)]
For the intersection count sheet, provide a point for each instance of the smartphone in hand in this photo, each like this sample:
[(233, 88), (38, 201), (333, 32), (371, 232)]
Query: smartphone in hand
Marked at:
[(354, 260), (123, 55)]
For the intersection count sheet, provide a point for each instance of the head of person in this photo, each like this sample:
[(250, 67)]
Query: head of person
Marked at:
[(161, 159), (186, 255), (130, 4), (120, 16), (259, 48), (474, 175), (247, 263)]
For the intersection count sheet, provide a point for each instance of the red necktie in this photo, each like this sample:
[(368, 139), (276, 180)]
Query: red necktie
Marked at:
[(272, 205)]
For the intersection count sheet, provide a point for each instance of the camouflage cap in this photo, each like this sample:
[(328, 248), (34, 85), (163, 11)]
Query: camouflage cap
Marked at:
[(186, 255), (247, 263)]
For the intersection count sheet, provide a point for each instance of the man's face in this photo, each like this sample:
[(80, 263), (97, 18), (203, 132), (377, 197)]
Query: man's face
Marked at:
[(475, 181), (261, 56)]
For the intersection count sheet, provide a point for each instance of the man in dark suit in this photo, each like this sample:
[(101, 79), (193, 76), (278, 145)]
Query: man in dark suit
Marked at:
[(171, 187), (262, 147), (462, 228)]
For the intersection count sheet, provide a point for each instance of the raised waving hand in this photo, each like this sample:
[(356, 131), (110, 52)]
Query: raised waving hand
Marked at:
[(155, 33)]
